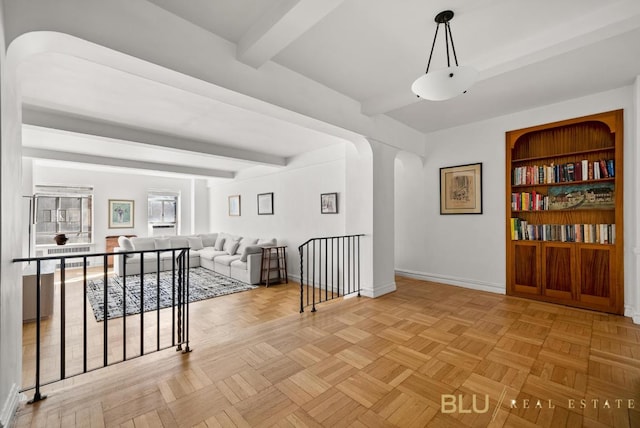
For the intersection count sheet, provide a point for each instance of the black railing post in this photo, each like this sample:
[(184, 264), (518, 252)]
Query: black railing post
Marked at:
[(158, 301), (344, 254), (301, 251), (338, 266), (348, 265), (84, 314), (180, 278), (62, 316), (173, 297), (37, 396), (313, 278), (326, 269), (186, 301), (142, 303), (124, 312), (332, 272), (358, 266), (105, 309)]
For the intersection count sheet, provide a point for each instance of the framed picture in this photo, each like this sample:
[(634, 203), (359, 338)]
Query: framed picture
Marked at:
[(329, 203), (234, 205), (461, 189), (120, 214), (265, 203)]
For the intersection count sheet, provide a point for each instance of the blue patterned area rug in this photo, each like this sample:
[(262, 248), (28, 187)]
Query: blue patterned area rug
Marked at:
[(203, 284)]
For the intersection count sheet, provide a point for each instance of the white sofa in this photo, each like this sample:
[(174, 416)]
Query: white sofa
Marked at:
[(231, 255)]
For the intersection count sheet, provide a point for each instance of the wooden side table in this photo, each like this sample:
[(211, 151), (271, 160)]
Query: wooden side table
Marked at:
[(112, 242), (274, 259)]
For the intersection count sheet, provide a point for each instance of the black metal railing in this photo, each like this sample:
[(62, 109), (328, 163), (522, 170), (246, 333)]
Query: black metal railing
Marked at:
[(329, 268), (179, 278)]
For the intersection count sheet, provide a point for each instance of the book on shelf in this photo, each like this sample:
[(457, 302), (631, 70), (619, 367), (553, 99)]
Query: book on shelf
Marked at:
[(566, 172), (529, 201), (521, 230), (603, 169)]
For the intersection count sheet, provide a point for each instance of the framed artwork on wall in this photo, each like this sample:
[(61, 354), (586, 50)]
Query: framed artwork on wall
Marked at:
[(461, 189), (121, 214), (329, 203), (234, 205), (265, 203)]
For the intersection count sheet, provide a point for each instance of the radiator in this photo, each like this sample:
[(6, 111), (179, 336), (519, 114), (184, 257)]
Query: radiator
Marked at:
[(63, 250)]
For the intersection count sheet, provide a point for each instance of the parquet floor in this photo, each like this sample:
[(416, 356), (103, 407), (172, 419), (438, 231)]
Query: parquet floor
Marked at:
[(496, 360)]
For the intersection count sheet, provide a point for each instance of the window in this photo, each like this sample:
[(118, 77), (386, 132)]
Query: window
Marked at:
[(163, 214), (65, 210)]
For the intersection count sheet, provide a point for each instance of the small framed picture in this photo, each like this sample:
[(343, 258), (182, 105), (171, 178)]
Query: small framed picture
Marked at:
[(329, 203), (234, 205), (265, 203), (461, 189), (121, 214)]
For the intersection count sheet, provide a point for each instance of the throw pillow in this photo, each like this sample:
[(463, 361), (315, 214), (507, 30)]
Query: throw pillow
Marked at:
[(233, 246), (195, 242), (126, 245), (244, 243), (228, 241), (267, 242), (219, 243), (179, 242), (163, 243), (209, 239), (250, 249)]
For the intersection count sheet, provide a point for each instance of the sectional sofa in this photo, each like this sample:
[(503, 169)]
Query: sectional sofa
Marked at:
[(231, 255)]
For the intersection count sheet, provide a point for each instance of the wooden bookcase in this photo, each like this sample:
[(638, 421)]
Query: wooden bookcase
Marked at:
[(565, 244)]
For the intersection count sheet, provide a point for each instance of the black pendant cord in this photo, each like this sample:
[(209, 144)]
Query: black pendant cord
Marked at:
[(453, 48), (433, 45), (444, 18), (446, 41)]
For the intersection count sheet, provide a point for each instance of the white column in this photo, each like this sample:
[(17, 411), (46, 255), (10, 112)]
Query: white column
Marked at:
[(369, 188), (383, 218)]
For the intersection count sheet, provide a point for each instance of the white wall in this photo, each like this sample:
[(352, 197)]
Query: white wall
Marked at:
[(121, 185), (469, 250), (10, 237), (296, 190)]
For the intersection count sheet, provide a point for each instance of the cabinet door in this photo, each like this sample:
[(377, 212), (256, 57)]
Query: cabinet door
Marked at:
[(526, 267), (597, 275), (558, 270)]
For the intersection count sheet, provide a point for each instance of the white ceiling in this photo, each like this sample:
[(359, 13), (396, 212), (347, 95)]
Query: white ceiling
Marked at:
[(528, 53)]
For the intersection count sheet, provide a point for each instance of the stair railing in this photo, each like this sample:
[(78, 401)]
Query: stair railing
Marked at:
[(179, 311), (329, 269)]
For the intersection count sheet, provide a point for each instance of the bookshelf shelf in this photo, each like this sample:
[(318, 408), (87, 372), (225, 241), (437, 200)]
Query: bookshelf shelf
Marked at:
[(563, 183), (559, 211), (581, 261), (561, 155)]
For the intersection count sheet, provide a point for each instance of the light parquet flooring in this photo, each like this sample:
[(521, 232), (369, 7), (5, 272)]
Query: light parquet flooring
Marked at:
[(363, 362)]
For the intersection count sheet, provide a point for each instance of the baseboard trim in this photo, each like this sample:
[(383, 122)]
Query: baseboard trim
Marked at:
[(452, 280), (379, 290), (367, 292), (296, 278), (630, 312), (9, 407)]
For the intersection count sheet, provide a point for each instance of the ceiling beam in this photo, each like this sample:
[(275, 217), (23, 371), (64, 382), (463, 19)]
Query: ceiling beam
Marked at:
[(280, 26), (30, 152), (82, 125)]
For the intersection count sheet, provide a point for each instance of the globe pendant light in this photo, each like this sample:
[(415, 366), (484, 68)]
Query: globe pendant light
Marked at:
[(445, 83)]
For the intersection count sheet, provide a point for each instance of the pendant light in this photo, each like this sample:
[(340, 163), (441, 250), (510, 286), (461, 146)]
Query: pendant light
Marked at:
[(445, 83)]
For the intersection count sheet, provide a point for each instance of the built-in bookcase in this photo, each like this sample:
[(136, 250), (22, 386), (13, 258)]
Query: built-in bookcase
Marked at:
[(564, 212)]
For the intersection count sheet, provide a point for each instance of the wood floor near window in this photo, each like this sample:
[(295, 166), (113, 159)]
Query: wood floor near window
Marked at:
[(392, 361)]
